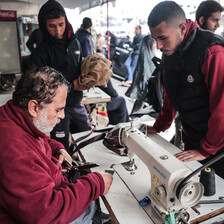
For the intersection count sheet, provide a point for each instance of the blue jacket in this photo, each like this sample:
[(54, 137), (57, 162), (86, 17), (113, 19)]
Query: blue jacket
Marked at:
[(84, 38)]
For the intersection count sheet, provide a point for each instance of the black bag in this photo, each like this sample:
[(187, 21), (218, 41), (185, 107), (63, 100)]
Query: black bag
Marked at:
[(155, 92)]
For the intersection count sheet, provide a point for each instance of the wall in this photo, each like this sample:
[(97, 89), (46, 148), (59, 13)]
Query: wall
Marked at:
[(21, 8)]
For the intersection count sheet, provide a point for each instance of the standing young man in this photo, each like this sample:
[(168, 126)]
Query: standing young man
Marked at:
[(61, 50), (193, 73), (208, 15)]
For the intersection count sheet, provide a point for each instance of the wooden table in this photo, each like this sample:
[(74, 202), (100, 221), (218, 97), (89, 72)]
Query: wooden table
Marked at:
[(95, 95)]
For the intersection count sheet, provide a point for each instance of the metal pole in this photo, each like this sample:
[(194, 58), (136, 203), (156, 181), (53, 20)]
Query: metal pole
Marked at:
[(108, 34)]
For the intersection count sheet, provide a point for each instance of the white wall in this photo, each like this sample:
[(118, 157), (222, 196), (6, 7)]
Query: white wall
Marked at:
[(24, 9)]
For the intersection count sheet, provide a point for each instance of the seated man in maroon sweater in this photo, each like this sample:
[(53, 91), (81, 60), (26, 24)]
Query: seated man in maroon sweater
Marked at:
[(32, 187)]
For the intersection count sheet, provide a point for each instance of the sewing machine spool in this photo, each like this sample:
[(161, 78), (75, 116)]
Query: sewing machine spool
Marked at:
[(207, 179)]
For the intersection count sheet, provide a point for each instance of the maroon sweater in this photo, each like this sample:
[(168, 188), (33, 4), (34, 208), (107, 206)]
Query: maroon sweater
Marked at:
[(32, 188), (213, 71)]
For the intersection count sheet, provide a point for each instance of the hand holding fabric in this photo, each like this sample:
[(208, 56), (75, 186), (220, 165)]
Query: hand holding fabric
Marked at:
[(78, 86), (63, 157)]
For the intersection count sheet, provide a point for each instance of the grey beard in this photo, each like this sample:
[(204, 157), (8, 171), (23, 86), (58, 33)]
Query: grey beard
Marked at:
[(42, 123)]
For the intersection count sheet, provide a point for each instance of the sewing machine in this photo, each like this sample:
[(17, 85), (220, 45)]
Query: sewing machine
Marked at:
[(130, 187), (169, 199)]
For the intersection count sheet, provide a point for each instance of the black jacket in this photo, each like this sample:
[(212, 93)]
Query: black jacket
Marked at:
[(136, 44), (63, 55), (186, 86)]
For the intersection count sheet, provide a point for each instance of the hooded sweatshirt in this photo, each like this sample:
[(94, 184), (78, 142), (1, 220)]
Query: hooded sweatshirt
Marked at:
[(212, 70), (32, 188), (63, 55)]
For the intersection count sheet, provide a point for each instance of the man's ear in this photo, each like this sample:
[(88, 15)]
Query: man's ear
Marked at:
[(33, 108), (183, 28), (201, 21)]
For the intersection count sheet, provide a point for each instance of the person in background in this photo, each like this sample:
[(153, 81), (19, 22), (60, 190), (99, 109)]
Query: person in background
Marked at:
[(208, 15), (34, 39), (113, 43), (116, 108), (35, 189), (193, 88), (61, 50), (84, 36), (100, 41), (144, 69), (128, 40), (131, 62)]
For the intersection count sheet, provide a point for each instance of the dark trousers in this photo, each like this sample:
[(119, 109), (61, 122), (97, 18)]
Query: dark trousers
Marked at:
[(117, 110), (76, 120)]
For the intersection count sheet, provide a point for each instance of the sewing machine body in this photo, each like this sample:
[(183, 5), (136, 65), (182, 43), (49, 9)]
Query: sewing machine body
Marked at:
[(166, 173), (129, 188)]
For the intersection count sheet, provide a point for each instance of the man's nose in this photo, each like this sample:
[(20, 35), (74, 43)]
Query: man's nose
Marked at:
[(159, 45), (58, 30), (61, 114), (218, 24)]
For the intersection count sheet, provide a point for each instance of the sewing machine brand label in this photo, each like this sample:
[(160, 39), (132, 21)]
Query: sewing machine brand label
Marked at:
[(159, 171), (155, 178)]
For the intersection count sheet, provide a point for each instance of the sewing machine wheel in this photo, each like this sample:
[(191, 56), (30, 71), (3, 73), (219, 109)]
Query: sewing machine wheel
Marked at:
[(182, 217), (191, 193)]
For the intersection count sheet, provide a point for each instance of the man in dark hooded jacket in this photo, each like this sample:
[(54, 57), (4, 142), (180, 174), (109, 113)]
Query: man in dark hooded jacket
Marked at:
[(193, 77), (61, 50), (84, 37)]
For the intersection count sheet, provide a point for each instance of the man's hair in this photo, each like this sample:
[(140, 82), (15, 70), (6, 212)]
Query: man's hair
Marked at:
[(38, 84), (206, 8), (139, 27), (86, 23), (168, 11), (54, 14)]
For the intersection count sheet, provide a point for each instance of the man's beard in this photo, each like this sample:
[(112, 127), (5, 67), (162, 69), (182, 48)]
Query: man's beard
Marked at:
[(42, 122)]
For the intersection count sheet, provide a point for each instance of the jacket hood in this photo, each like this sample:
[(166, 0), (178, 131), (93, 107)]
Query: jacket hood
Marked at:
[(49, 5), (190, 27), (190, 33)]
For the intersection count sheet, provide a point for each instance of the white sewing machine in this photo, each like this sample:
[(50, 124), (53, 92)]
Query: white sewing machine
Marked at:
[(167, 172)]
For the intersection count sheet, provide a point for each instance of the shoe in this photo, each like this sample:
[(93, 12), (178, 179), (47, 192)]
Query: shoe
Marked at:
[(102, 218), (121, 84), (125, 84)]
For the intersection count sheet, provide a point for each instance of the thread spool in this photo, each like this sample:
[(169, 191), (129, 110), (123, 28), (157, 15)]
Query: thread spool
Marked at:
[(207, 179)]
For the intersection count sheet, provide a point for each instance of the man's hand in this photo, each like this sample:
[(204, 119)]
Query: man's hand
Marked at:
[(190, 155), (63, 157), (147, 129), (78, 86), (107, 181)]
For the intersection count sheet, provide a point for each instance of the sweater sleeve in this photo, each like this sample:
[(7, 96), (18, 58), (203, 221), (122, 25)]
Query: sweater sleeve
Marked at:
[(167, 114), (213, 70), (31, 195), (55, 145), (39, 58), (32, 188)]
